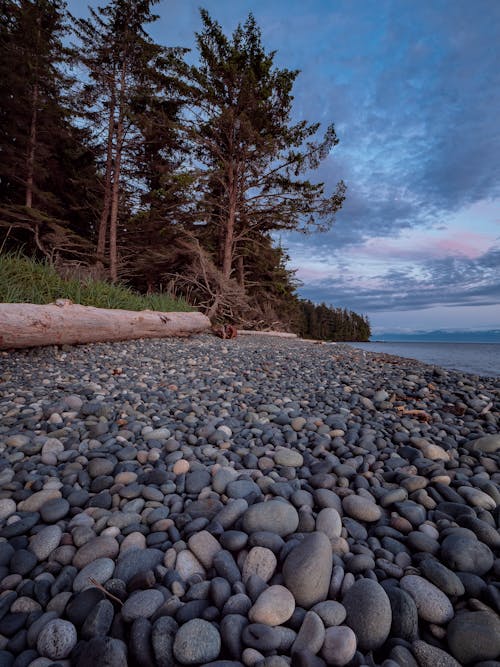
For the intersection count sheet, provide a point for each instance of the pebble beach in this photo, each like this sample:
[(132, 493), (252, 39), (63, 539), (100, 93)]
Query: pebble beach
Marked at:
[(257, 502)]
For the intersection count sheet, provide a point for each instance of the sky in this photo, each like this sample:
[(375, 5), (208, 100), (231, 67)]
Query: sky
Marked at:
[(413, 88)]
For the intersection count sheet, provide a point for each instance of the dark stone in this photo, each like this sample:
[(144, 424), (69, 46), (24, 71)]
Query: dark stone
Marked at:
[(404, 614), (134, 561), (12, 623), (27, 521), (140, 644), (82, 604), (101, 652), (307, 569), (369, 613), (191, 610), (162, 639), (464, 554), (25, 658), (54, 509), (438, 574), (231, 629), (226, 566), (474, 636), (6, 658), (22, 562), (99, 621), (261, 637)]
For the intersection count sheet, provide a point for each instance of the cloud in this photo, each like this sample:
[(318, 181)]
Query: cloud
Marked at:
[(448, 282)]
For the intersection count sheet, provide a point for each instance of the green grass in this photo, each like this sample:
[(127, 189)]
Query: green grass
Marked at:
[(24, 280)]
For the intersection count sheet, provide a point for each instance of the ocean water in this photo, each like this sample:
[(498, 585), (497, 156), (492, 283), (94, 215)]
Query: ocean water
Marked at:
[(474, 358)]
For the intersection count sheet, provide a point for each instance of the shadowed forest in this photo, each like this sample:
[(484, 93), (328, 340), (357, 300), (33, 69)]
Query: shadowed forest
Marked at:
[(158, 168)]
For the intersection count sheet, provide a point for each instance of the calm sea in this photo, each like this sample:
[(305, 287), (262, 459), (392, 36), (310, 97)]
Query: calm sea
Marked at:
[(475, 358)]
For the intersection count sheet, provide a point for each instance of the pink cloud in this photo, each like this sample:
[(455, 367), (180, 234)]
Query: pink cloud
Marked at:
[(419, 246)]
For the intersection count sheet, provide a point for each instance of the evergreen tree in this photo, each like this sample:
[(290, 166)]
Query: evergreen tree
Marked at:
[(253, 156), (127, 71), (46, 173)]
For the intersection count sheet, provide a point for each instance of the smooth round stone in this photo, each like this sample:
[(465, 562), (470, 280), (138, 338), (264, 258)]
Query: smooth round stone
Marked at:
[(311, 634), (7, 508), (97, 547), (181, 467), (298, 423), (98, 467), (259, 561), (34, 502), (197, 641), (439, 575), (466, 554), (477, 498), (103, 651), (54, 510), (261, 637), (134, 540), (404, 614), (361, 508), (331, 612), (162, 639), (394, 496), (197, 480), (359, 563), (274, 516), (307, 570), (134, 561), (339, 646), (142, 604), (288, 457), (99, 621), (100, 569), (234, 540), (432, 604), (205, 547), (432, 656), (474, 636), (369, 613), (22, 562), (45, 542), (57, 639), (274, 606), (329, 522), (487, 444), (187, 565)]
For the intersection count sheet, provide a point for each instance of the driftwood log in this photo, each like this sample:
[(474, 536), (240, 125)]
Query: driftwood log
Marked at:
[(277, 334), (63, 322)]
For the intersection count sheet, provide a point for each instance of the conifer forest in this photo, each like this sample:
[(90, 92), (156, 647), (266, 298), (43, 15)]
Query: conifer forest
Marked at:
[(160, 168)]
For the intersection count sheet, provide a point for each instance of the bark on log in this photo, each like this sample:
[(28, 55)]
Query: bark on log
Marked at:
[(30, 325), (277, 334)]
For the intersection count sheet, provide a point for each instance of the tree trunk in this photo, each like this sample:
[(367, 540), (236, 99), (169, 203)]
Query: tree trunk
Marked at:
[(227, 263), (115, 196), (29, 325), (240, 267), (103, 223), (30, 157)]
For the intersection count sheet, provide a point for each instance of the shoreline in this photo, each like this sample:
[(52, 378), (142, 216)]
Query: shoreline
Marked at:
[(204, 500)]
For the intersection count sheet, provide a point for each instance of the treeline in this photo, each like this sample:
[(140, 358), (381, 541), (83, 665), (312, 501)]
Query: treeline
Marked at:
[(123, 160), (326, 323)]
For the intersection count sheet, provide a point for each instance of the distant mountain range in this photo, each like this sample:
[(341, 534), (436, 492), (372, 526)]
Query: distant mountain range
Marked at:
[(439, 336)]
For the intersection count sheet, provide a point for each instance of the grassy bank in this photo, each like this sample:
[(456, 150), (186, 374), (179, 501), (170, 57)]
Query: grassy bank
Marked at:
[(24, 280)]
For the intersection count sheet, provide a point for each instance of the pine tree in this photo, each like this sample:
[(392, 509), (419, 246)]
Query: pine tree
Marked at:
[(126, 70), (253, 155), (46, 172)]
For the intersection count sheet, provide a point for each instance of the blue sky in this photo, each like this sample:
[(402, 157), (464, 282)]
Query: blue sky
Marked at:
[(413, 87)]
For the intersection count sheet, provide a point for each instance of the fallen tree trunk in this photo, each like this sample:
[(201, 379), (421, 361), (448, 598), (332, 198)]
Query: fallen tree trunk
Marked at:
[(277, 334), (63, 322)]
